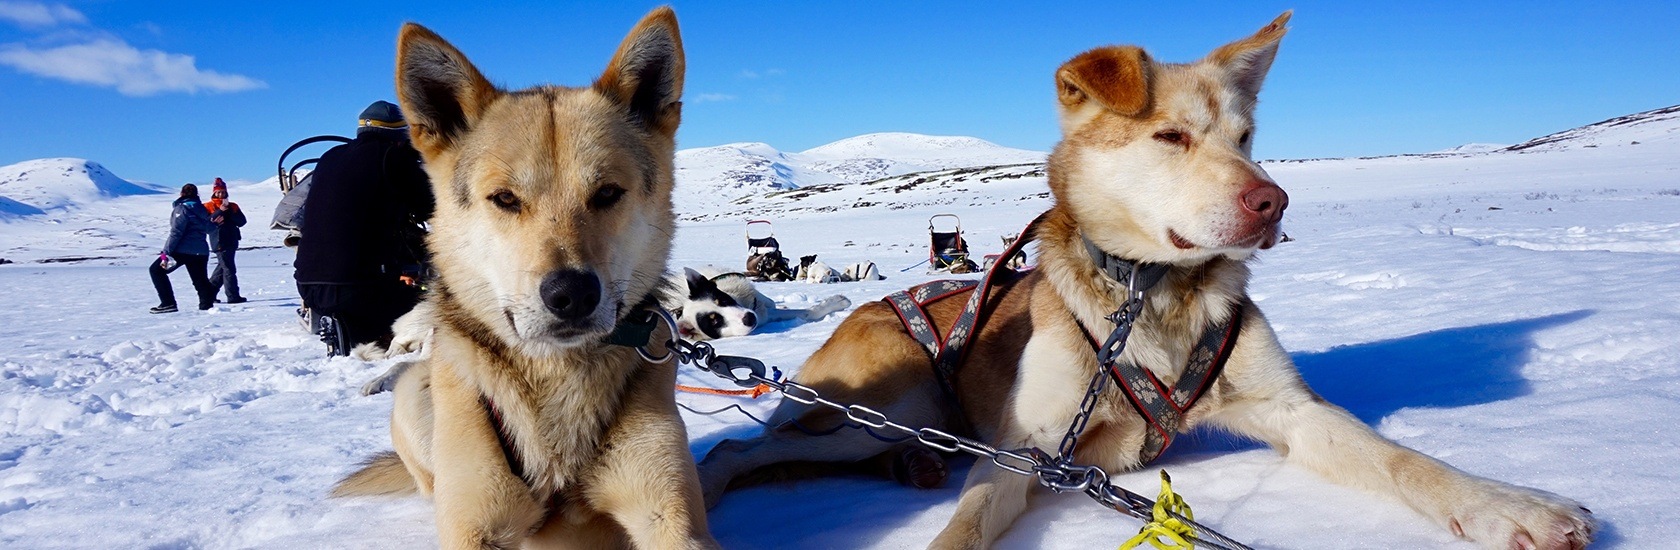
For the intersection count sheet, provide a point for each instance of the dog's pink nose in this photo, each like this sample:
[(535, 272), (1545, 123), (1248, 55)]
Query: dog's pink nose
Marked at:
[(1266, 201)]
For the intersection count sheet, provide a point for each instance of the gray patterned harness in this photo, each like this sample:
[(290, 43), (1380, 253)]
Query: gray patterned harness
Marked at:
[(948, 352), (1162, 407)]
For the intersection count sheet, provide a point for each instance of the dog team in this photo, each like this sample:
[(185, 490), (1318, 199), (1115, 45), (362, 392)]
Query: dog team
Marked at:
[(537, 417)]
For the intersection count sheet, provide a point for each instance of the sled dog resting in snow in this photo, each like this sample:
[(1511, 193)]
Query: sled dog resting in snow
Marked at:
[(816, 272), (710, 303), (1153, 169), (523, 424)]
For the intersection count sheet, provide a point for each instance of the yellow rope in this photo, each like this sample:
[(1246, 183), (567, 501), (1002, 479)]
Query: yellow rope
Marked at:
[(1166, 532)]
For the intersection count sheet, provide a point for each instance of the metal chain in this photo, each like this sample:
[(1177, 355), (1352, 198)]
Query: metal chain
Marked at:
[(1057, 474), (1123, 318), (1099, 382)]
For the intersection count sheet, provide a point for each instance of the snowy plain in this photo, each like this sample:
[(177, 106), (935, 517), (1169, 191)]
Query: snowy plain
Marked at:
[(1510, 312)]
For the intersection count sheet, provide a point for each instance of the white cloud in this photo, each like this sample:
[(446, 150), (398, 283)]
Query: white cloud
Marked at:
[(750, 74), (709, 98), (114, 63), (36, 14)]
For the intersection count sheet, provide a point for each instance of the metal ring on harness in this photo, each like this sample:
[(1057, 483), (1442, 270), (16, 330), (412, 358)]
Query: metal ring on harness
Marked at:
[(670, 345)]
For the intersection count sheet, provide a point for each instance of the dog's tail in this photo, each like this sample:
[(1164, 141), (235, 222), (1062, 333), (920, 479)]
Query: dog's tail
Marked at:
[(381, 474)]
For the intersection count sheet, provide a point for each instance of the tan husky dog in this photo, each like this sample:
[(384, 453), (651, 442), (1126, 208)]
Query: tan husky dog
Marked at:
[(553, 224), (1154, 166)]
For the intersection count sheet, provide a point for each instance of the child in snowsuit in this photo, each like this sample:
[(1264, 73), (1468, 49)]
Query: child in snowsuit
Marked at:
[(189, 225), (224, 240)]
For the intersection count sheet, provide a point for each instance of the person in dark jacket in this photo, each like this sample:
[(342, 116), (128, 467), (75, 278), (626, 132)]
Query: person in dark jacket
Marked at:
[(362, 239), (189, 225), (224, 241)]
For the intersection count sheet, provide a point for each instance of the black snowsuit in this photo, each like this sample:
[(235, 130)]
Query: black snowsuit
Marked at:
[(361, 233), (189, 224), (224, 242)]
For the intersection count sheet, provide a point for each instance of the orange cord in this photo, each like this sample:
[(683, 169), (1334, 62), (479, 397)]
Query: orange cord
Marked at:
[(761, 389)]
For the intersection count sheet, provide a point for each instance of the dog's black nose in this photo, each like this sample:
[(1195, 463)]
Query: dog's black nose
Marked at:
[(571, 294), (749, 319)]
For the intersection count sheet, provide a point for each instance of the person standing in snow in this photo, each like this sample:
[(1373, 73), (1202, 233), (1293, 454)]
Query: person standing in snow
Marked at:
[(189, 226), (224, 241), (359, 256)]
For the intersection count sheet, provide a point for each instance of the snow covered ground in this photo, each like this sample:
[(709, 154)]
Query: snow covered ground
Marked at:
[(1509, 312)]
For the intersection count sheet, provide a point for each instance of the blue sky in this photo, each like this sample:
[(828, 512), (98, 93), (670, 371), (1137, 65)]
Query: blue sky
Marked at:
[(171, 92)]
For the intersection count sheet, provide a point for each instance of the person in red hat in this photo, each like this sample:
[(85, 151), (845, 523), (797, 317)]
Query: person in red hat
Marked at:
[(224, 240)]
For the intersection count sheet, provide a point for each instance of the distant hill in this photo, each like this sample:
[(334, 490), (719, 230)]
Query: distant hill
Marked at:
[(56, 183), (967, 187), (1472, 148), (1654, 125), (712, 177)]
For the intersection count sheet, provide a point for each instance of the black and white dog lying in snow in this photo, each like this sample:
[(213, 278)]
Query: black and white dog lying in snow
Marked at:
[(714, 303)]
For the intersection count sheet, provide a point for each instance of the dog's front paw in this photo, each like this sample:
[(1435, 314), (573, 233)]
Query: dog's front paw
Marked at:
[(387, 381), (1511, 517), (834, 303)]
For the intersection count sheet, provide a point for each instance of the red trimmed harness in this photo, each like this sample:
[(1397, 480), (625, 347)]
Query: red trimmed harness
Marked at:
[(1162, 408)]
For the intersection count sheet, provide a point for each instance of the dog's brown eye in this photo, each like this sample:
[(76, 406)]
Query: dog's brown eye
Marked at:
[(1174, 137), (605, 197), (505, 200), (1245, 137)]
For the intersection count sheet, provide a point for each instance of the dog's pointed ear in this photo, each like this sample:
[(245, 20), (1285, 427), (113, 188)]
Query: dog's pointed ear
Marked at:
[(698, 284), (442, 94), (1247, 61), (646, 74), (1114, 77)]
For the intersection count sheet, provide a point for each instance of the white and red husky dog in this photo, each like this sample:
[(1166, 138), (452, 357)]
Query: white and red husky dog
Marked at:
[(1154, 166)]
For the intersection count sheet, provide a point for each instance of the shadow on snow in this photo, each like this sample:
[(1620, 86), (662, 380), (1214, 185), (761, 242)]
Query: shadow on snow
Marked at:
[(1447, 368)]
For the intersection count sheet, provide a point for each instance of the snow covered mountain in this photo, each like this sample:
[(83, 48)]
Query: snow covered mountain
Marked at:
[(710, 177), (73, 210), (1653, 125), (55, 183), (1471, 148)]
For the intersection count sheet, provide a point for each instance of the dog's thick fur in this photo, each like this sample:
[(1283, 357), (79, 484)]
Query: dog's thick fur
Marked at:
[(554, 222), (1154, 166), (711, 302)]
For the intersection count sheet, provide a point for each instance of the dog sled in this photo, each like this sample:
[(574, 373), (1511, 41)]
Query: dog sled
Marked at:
[(947, 250), (288, 215), (765, 261)]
